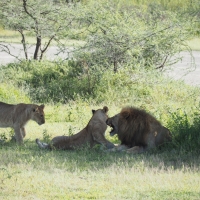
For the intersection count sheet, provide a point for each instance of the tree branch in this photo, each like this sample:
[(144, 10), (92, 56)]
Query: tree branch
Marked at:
[(5, 48), (163, 64), (38, 43), (24, 44), (45, 48)]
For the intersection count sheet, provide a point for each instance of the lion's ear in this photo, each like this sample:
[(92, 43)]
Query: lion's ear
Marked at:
[(105, 108), (125, 114), (42, 106), (93, 111)]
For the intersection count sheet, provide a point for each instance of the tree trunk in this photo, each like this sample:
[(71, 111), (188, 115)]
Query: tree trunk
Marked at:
[(38, 44), (115, 66)]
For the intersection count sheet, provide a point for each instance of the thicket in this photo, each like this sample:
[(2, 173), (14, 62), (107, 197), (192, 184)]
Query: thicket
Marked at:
[(57, 82)]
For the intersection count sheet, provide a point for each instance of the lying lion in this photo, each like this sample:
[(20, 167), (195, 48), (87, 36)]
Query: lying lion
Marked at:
[(137, 130), (16, 117), (91, 135)]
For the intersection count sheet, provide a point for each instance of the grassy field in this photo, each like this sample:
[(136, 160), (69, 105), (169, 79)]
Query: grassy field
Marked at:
[(30, 173), (27, 172)]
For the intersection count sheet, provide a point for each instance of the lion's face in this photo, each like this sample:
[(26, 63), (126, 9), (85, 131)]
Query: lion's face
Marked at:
[(113, 123), (38, 114)]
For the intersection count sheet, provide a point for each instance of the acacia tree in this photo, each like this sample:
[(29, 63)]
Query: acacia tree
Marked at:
[(46, 21), (121, 35)]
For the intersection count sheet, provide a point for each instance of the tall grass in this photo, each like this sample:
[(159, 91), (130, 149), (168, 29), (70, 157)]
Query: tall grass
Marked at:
[(186, 129)]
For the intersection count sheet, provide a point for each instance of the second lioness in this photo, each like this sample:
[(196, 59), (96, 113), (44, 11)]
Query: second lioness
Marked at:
[(16, 117), (92, 134)]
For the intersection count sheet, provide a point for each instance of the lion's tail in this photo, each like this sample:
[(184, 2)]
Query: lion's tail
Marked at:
[(42, 145)]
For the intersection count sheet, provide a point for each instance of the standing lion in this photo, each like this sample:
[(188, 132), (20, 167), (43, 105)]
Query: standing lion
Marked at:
[(137, 130), (16, 117), (92, 134)]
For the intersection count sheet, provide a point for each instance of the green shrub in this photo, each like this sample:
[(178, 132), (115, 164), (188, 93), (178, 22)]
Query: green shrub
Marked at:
[(61, 82), (11, 94), (185, 128), (50, 81)]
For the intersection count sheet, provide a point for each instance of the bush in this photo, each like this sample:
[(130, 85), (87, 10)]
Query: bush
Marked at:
[(121, 34), (11, 94), (51, 81), (186, 128), (61, 82)]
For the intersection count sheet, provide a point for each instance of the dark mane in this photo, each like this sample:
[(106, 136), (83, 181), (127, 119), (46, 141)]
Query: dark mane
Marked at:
[(134, 125)]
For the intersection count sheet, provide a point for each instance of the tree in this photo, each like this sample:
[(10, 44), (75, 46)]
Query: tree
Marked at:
[(46, 21), (122, 35)]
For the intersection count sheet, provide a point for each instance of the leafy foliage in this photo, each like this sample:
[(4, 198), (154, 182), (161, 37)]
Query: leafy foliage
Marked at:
[(51, 82), (186, 129), (119, 35), (46, 21), (12, 94)]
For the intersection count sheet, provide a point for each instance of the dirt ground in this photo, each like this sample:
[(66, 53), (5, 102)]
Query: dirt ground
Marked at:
[(187, 69)]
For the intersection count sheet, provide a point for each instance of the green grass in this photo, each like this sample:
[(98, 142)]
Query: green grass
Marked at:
[(194, 44), (17, 94), (30, 173), (27, 172)]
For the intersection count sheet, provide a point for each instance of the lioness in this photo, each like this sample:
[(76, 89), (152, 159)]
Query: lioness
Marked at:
[(137, 130), (16, 117), (92, 134)]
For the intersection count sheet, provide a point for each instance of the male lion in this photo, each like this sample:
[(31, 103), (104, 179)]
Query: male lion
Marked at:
[(16, 117), (91, 135), (137, 130)]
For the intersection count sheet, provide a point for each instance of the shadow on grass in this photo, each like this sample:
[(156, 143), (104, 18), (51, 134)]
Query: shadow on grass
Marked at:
[(93, 159)]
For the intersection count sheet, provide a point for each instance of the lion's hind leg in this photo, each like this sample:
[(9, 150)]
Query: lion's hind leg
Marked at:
[(42, 145), (135, 150)]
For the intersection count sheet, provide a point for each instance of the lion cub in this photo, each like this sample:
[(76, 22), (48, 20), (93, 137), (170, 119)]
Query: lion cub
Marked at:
[(16, 117)]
